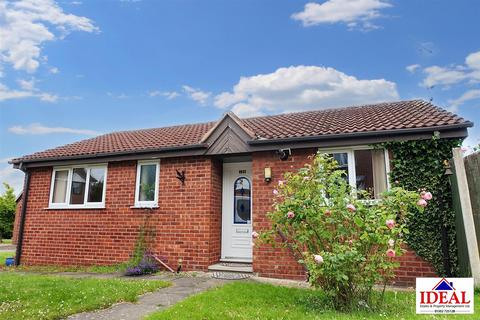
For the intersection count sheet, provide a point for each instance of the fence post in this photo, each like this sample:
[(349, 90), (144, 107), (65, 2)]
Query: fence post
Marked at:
[(467, 215)]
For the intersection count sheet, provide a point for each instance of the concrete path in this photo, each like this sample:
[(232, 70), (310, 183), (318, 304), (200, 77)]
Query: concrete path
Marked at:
[(181, 288), (7, 247)]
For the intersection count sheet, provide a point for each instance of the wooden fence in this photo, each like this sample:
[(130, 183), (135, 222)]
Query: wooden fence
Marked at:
[(472, 169), (466, 203)]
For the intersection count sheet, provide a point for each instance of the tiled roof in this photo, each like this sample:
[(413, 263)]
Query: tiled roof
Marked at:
[(368, 118)]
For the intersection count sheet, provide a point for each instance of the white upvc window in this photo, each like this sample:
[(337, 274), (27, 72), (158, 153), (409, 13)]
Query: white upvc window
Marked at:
[(78, 187), (146, 187), (365, 168)]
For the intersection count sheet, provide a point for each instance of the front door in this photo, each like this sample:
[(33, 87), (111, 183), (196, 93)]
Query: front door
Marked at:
[(237, 212)]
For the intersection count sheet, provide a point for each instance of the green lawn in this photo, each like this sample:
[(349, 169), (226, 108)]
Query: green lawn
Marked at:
[(6, 241), (4, 255), (26, 296), (249, 300), (121, 267)]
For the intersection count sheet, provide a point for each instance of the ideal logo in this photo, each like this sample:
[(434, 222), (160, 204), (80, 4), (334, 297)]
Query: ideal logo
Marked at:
[(444, 296)]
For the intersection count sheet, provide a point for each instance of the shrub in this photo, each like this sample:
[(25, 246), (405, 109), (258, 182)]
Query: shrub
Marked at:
[(142, 261), (147, 265), (347, 245)]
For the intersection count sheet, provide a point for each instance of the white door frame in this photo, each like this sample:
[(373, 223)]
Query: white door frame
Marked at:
[(242, 250)]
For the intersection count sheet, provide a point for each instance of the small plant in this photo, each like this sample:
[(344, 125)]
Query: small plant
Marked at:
[(142, 261), (347, 245), (147, 265)]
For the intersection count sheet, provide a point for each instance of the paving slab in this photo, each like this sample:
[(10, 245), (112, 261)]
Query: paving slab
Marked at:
[(181, 288)]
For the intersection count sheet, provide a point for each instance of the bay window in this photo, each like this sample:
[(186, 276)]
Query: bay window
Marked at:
[(78, 187), (365, 169)]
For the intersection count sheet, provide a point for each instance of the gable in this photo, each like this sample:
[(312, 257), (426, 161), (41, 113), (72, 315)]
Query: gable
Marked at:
[(228, 136)]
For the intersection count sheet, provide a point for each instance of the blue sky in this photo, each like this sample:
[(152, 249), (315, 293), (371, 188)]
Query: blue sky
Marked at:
[(73, 69)]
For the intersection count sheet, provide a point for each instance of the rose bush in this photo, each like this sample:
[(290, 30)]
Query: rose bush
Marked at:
[(346, 244)]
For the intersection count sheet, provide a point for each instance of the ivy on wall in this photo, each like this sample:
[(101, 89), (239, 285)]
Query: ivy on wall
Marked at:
[(416, 165)]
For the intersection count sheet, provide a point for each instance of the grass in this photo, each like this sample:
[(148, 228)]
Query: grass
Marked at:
[(249, 300), (121, 267), (4, 255), (27, 296), (6, 241)]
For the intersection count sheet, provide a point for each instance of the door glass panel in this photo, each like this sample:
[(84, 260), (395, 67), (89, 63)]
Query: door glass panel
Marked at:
[(79, 179), (95, 188), (242, 198)]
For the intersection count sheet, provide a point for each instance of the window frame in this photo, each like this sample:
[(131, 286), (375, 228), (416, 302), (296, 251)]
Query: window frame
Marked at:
[(86, 204), (352, 174), (147, 204)]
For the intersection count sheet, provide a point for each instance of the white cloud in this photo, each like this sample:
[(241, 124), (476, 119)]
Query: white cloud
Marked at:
[(54, 70), (197, 94), (13, 177), (169, 95), (37, 128), (412, 68), (354, 13), (118, 96), (467, 96), (28, 90), (28, 24), (28, 85), (436, 75), (301, 88), (31, 92), (453, 74)]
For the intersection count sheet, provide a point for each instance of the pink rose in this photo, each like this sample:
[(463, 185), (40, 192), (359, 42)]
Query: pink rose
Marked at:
[(391, 242), (318, 258), (390, 223), (351, 207), (306, 178), (281, 183), (427, 196), (290, 215), (422, 203), (275, 191), (390, 253), (350, 242), (255, 235)]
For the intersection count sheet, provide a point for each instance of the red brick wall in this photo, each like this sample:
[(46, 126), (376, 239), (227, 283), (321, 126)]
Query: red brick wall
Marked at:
[(16, 223), (280, 263), (187, 222), (183, 222), (268, 261)]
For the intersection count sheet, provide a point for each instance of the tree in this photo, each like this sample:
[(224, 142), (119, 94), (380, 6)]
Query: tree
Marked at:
[(7, 212)]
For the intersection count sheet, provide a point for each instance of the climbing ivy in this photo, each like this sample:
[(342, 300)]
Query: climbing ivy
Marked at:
[(419, 164)]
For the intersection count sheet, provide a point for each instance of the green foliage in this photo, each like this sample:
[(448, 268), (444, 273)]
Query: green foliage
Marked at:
[(342, 241), (144, 241), (7, 212), (27, 296), (420, 165)]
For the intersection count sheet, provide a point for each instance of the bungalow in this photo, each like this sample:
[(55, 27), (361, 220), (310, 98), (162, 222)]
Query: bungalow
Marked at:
[(204, 186)]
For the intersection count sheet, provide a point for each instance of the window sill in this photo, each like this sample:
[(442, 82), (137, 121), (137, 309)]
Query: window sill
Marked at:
[(75, 208), (153, 206)]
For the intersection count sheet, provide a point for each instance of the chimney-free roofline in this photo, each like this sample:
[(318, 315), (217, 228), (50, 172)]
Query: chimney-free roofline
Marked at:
[(18, 163), (455, 130), (466, 124)]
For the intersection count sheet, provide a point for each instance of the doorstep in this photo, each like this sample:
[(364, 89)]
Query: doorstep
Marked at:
[(231, 267)]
